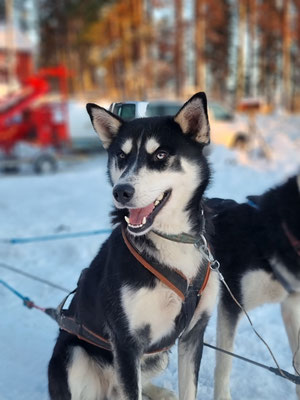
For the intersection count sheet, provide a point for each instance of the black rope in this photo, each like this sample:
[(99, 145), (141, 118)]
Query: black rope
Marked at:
[(33, 277), (294, 378), (52, 313)]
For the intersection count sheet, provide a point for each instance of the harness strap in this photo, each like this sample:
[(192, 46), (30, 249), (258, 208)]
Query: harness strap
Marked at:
[(206, 278), (292, 239), (175, 280), (281, 279), (70, 325)]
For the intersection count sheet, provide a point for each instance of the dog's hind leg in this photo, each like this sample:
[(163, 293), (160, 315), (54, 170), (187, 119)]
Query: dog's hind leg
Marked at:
[(290, 310), (226, 329), (190, 347), (57, 374)]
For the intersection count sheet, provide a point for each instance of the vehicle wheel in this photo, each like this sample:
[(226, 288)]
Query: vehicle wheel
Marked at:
[(240, 141), (45, 164), (11, 169)]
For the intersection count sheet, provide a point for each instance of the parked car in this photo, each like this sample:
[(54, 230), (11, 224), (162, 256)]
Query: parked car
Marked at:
[(225, 128), (138, 109)]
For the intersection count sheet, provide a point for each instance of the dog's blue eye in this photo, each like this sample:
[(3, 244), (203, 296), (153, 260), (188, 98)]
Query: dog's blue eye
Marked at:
[(161, 155)]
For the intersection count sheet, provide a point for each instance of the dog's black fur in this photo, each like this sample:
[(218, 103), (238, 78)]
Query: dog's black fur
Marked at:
[(97, 303), (250, 238), (248, 235)]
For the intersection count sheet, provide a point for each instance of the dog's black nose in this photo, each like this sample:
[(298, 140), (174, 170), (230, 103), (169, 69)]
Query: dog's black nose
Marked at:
[(123, 193)]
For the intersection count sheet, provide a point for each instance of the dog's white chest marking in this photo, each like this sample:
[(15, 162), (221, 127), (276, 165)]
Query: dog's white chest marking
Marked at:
[(184, 257), (156, 307), (259, 287)]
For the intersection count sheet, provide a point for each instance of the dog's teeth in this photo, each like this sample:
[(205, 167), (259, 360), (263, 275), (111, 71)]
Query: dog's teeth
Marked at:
[(144, 221), (126, 219), (156, 203), (160, 197)]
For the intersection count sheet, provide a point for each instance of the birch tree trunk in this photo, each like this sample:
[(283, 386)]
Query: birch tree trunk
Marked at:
[(240, 87), (200, 45), (286, 56), (178, 56)]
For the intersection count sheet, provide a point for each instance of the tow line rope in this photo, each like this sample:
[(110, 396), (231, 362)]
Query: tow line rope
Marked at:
[(215, 266), (27, 302), (33, 277), (60, 236)]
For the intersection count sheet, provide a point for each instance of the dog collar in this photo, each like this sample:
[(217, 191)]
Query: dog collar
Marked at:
[(252, 204), (180, 238)]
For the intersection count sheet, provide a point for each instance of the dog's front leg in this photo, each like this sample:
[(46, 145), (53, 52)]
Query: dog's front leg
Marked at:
[(226, 329), (290, 309), (128, 366), (190, 347)]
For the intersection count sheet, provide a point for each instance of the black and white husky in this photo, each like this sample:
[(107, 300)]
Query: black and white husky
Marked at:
[(159, 174), (258, 246)]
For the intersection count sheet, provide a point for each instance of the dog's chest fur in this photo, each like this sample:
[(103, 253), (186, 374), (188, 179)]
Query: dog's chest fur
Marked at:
[(155, 308), (184, 257), (158, 307)]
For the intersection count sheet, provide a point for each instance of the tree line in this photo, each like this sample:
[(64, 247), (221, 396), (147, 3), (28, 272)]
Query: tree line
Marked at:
[(144, 48)]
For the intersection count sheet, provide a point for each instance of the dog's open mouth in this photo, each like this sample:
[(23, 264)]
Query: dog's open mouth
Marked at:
[(141, 219)]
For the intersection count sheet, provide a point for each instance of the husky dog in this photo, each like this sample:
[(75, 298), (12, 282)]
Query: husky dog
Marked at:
[(158, 174), (258, 246)]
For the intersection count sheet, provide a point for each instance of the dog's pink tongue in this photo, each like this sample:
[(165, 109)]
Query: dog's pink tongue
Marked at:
[(136, 215)]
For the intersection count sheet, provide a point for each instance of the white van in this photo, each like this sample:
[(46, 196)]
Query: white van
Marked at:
[(225, 128)]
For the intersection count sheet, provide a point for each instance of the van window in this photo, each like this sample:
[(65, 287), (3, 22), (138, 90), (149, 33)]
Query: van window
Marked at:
[(127, 111), (154, 109)]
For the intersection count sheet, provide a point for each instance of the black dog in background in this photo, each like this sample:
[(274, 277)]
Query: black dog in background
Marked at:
[(258, 246)]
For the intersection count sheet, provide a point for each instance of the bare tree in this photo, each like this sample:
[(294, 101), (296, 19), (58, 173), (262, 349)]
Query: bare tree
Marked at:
[(178, 53), (200, 39), (286, 55), (240, 89)]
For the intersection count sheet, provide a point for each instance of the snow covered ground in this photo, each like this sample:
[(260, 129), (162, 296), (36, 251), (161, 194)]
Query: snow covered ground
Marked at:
[(78, 198)]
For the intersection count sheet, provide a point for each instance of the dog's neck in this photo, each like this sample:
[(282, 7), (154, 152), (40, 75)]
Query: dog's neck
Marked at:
[(175, 254)]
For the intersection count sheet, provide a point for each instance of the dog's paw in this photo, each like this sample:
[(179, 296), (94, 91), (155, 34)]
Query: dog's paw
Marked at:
[(153, 392)]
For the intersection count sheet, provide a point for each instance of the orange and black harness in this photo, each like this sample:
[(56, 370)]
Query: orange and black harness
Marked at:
[(189, 293)]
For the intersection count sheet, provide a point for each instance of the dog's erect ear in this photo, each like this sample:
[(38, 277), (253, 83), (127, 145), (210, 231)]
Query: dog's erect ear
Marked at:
[(104, 122), (193, 118)]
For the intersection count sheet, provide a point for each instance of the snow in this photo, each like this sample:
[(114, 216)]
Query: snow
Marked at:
[(78, 198)]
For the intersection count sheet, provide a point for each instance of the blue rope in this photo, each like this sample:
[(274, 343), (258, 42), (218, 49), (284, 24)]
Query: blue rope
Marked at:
[(55, 237), (252, 204), (25, 299)]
